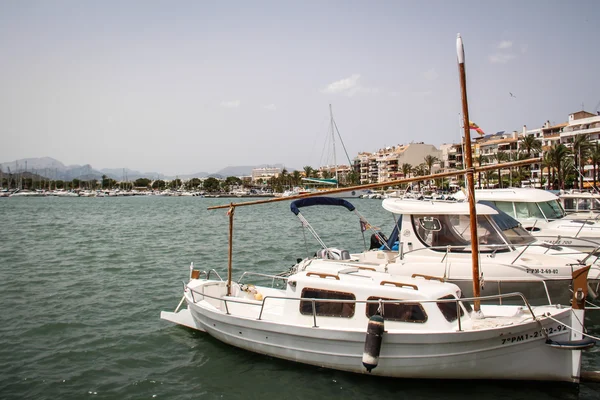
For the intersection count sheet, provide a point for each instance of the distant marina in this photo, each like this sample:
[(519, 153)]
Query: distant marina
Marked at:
[(129, 193)]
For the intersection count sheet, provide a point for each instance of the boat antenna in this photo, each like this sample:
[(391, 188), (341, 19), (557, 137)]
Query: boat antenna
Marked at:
[(470, 172)]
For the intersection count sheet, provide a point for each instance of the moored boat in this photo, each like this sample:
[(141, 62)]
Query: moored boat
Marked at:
[(541, 213)]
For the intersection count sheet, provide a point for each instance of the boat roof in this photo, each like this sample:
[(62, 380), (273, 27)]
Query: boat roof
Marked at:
[(420, 207), (580, 195), (335, 273), (527, 195)]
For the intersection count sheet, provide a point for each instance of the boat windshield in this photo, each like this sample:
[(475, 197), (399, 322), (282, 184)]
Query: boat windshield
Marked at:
[(552, 209), (580, 203), (518, 236), (524, 210), (441, 231)]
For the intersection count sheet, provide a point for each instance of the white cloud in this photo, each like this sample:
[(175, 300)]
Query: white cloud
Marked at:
[(343, 85), (270, 107), (430, 74), (349, 86), (501, 58), (505, 44), (230, 104)]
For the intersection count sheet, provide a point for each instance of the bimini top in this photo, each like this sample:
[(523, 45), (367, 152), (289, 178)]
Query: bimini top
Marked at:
[(526, 195), (319, 201), (419, 207)]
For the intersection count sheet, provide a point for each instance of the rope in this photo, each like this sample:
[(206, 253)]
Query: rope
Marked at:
[(573, 329)]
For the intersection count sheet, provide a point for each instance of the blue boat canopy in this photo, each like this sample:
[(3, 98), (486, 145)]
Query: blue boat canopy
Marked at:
[(319, 201)]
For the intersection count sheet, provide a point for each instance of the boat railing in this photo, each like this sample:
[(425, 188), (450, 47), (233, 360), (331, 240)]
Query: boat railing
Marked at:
[(268, 276), (458, 248), (380, 302), (494, 248)]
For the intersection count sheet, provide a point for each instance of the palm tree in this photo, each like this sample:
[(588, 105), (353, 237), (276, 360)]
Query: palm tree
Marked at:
[(429, 161), (489, 175), (531, 144), (581, 147), (501, 157), (481, 159), (419, 170), (595, 160), (296, 177), (308, 171), (547, 162), (559, 152), (406, 169)]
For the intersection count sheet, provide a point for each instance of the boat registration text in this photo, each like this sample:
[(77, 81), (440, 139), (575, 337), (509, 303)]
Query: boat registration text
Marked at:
[(534, 335)]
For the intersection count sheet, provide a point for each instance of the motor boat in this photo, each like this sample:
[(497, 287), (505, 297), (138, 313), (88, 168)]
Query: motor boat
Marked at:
[(541, 213), (432, 238), (580, 204)]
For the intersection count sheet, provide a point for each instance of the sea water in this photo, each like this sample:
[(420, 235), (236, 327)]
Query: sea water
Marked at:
[(83, 281)]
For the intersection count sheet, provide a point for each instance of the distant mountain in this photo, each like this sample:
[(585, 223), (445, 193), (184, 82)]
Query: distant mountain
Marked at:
[(51, 168), (54, 169), (126, 174)]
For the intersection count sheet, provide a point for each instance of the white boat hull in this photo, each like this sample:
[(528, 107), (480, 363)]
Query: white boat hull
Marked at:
[(514, 353)]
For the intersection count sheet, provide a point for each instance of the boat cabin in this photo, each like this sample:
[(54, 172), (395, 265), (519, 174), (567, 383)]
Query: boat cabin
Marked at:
[(584, 202), (439, 226), (351, 295), (523, 204)]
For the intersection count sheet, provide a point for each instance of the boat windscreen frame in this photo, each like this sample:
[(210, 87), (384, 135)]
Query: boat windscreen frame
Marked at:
[(466, 248)]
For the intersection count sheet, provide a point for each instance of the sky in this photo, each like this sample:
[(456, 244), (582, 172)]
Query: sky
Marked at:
[(180, 87)]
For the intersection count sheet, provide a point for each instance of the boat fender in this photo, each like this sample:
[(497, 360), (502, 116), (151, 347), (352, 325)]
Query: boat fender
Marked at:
[(375, 330)]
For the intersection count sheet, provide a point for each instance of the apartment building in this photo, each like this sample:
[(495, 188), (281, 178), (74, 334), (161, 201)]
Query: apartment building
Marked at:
[(385, 164)]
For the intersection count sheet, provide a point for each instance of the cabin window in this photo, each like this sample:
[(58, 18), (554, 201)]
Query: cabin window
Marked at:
[(518, 235), (430, 224), (569, 204), (402, 312), (552, 209), (449, 308), (327, 308), (505, 206), (455, 231), (527, 210)]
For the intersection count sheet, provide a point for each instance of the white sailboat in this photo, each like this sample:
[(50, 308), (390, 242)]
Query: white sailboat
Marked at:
[(363, 321), (316, 185)]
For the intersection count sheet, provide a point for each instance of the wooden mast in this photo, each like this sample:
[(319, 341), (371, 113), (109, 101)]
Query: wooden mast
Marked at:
[(470, 172), (230, 213)]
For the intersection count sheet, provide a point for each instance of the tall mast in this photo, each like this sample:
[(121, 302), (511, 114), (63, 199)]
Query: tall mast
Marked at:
[(469, 167), (333, 142)]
